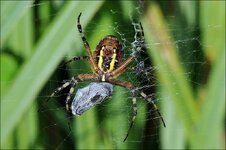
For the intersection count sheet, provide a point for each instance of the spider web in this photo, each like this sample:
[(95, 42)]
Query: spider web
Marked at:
[(115, 113), (141, 73)]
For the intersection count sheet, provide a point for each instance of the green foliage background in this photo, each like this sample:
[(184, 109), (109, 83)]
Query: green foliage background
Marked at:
[(36, 36)]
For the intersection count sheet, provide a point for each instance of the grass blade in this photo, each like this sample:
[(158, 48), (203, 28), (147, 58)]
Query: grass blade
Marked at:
[(173, 128), (211, 124), (11, 13)]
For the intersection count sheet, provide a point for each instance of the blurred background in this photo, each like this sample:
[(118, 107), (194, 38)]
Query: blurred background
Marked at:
[(182, 69)]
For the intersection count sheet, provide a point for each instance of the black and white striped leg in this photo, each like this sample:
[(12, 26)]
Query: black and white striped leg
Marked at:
[(155, 107), (74, 82), (86, 44), (134, 100), (76, 58), (66, 84)]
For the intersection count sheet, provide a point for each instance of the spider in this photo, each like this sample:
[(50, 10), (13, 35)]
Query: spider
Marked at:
[(107, 64)]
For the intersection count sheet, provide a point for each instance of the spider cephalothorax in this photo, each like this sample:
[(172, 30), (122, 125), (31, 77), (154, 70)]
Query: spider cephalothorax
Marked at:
[(107, 64)]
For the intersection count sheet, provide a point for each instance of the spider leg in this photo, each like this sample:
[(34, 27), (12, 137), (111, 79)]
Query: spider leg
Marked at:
[(125, 84), (74, 81), (155, 107), (66, 84), (129, 86), (68, 99), (76, 58), (86, 44), (134, 100)]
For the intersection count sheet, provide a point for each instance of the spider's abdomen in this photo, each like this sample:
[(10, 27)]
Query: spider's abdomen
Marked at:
[(108, 54)]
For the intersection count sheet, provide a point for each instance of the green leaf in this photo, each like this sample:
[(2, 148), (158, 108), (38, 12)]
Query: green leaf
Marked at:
[(11, 13), (211, 125), (21, 40), (8, 70), (174, 126), (213, 25)]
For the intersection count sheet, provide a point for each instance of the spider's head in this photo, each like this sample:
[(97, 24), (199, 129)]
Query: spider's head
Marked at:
[(89, 96), (108, 53)]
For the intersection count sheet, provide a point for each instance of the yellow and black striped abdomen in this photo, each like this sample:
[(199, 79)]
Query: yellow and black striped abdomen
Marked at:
[(108, 54), (107, 63)]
